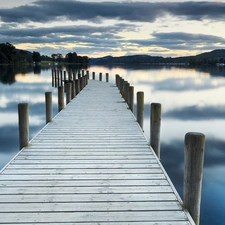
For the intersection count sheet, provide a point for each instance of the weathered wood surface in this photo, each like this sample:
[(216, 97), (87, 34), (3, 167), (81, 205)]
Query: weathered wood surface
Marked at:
[(91, 165)]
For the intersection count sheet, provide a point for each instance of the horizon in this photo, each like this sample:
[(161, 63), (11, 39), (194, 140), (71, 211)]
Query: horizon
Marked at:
[(114, 27)]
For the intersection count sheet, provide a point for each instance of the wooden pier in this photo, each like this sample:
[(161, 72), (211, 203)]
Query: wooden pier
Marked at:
[(90, 165)]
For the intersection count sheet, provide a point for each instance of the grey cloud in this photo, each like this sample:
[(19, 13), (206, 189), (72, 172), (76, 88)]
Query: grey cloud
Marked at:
[(44, 11)]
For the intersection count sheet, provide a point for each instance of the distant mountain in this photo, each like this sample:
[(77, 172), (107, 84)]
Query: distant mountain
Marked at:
[(206, 58)]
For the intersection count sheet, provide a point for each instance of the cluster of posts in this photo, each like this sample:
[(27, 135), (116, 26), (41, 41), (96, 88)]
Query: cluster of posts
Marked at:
[(194, 146), (194, 142)]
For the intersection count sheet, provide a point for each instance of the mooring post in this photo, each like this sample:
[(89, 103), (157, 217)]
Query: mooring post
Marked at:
[(73, 89), (117, 80), (64, 76), (77, 86), (60, 98), (100, 76), (53, 78), (93, 75), (74, 76), (193, 171), (87, 73), (126, 91), (68, 92), (155, 125), (121, 86), (131, 98), (48, 106), (81, 83), (140, 108), (107, 77), (61, 80), (23, 114)]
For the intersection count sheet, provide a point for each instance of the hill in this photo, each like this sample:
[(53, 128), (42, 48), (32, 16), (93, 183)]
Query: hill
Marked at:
[(206, 58)]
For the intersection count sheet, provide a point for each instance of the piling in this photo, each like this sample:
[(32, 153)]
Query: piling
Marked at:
[(140, 108), (126, 91), (100, 76), (60, 98), (68, 92), (155, 125), (23, 114), (93, 75), (107, 77), (193, 171), (48, 106), (131, 98), (77, 86), (73, 89), (61, 79)]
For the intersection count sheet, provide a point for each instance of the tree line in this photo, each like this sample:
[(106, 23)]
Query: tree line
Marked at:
[(10, 55)]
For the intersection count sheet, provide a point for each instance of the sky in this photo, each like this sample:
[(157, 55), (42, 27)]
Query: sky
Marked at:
[(113, 27)]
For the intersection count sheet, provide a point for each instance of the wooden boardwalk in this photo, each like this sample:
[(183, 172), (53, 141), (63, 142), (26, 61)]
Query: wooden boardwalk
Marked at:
[(91, 165)]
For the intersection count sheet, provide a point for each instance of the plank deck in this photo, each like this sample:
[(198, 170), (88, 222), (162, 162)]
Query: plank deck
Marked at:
[(91, 165)]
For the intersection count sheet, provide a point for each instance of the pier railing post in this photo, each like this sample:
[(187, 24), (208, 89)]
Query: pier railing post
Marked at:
[(23, 114), (48, 106), (140, 108), (68, 92), (193, 170), (155, 125), (77, 86), (60, 98), (131, 98), (107, 77), (73, 89)]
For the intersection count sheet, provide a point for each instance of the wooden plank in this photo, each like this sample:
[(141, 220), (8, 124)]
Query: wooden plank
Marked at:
[(62, 217)]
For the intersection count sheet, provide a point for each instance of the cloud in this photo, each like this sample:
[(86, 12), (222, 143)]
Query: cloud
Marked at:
[(45, 11)]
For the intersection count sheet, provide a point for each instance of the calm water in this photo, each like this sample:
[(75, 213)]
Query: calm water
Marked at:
[(192, 100)]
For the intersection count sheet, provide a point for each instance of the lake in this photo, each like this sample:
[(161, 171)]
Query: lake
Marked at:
[(192, 101)]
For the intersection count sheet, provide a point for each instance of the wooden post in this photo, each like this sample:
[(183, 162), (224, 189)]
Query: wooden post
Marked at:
[(57, 78), (73, 89), (60, 98), (48, 106), (61, 80), (77, 86), (131, 98), (117, 80), (121, 86), (68, 92), (107, 77), (81, 83), (93, 75), (100, 76), (53, 78), (23, 114), (87, 75), (155, 125), (140, 108), (74, 76), (126, 91), (193, 170), (64, 77)]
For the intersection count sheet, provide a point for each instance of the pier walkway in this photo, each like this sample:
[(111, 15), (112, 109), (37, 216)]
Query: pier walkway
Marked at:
[(91, 165)]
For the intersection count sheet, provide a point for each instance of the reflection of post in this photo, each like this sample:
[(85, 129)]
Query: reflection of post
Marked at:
[(107, 77), (48, 106), (193, 170), (131, 98), (60, 98), (100, 76), (155, 124), (140, 108), (93, 75), (68, 92), (23, 114)]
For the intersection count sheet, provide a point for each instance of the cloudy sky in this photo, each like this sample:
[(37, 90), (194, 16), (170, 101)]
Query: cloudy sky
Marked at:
[(113, 27)]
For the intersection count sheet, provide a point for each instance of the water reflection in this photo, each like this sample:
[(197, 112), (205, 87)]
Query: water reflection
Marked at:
[(192, 100)]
